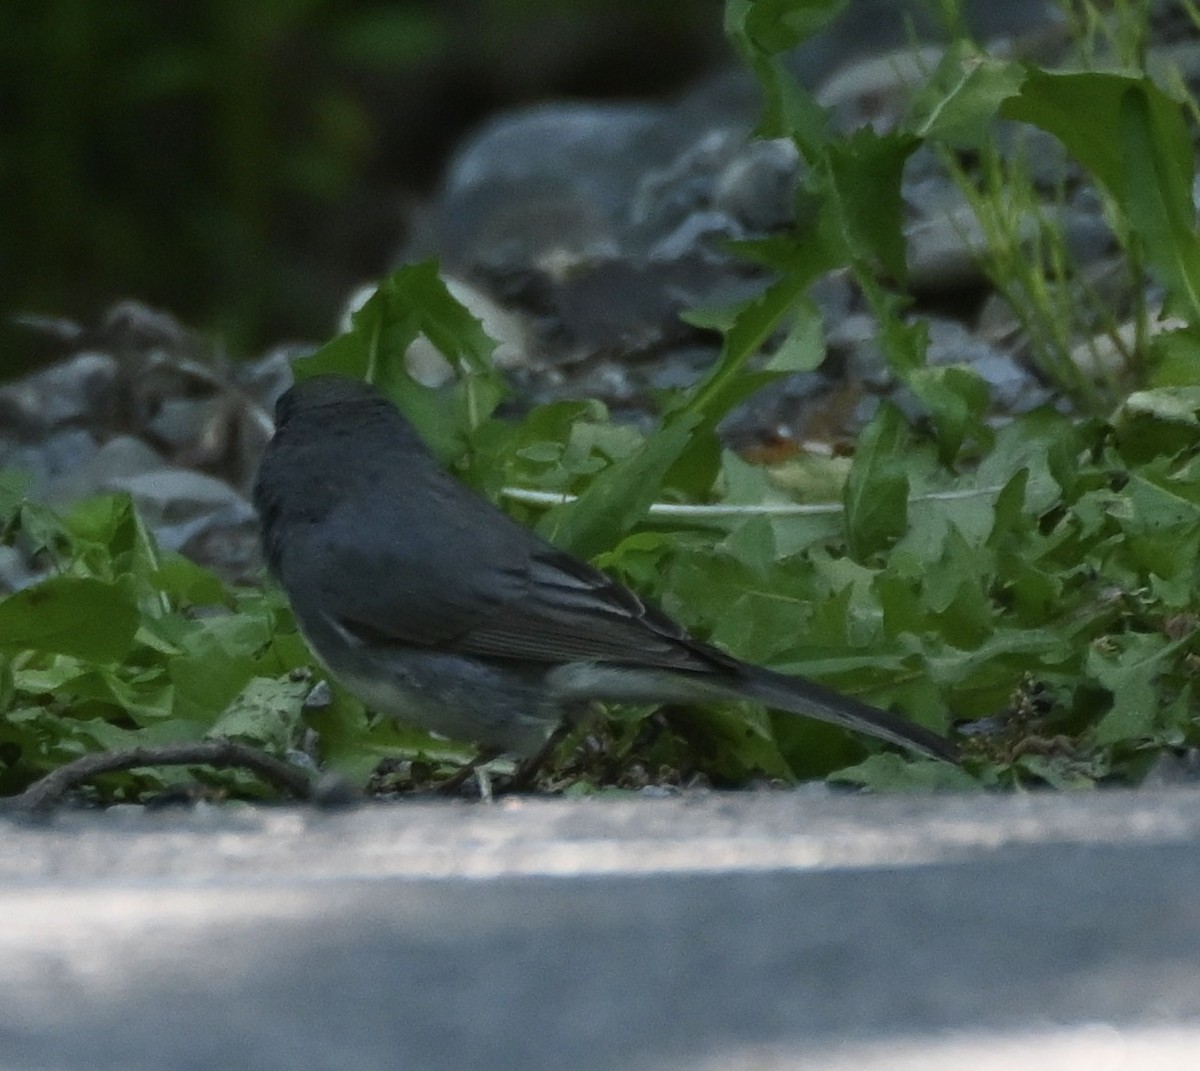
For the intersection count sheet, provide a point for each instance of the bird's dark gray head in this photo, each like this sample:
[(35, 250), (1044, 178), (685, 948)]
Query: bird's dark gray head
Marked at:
[(328, 390), (335, 438), (329, 415)]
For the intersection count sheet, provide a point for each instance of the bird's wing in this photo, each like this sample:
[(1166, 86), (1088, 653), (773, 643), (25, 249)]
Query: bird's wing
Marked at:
[(381, 574), (571, 612), (504, 591)]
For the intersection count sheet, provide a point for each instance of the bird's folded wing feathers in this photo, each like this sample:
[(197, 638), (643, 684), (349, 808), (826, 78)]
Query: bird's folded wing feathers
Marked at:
[(552, 608), (572, 612)]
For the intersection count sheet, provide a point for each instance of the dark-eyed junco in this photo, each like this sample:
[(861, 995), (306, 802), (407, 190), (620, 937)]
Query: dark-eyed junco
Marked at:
[(433, 606)]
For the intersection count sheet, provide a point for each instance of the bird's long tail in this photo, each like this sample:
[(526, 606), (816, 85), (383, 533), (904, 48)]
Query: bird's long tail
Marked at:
[(798, 695)]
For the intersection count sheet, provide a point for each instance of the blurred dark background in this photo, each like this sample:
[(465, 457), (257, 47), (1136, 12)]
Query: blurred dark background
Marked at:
[(244, 165)]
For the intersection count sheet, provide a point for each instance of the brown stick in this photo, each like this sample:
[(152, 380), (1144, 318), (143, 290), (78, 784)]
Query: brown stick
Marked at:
[(48, 791)]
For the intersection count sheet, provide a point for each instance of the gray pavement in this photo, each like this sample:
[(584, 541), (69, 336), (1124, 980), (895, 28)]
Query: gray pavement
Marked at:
[(760, 930)]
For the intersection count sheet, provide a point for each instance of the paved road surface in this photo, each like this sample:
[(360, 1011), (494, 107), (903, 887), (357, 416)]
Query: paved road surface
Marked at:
[(772, 930)]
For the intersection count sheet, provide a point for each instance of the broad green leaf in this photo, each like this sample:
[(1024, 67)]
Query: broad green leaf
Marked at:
[(1175, 405), (145, 697), (411, 301), (753, 543), (72, 615), (892, 772), (266, 713), (802, 349), (220, 660), (778, 25), (862, 176), (414, 301), (958, 104), (1128, 667), (876, 498), (352, 742), (14, 486), (618, 498), (1134, 139), (188, 584), (1157, 154), (761, 30), (1081, 109)]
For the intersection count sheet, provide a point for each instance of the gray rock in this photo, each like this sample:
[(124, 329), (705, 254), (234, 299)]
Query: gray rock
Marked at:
[(874, 90), (870, 27), (948, 250), (80, 390), (180, 504), (231, 550), (134, 327), (1013, 387), (626, 306), (945, 251), (59, 453), (604, 223), (695, 191), (696, 234), (532, 184), (266, 378), (102, 472), (1086, 235), (178, 422), (1041, 156), (15, 570), (681, 368), (758, 185)]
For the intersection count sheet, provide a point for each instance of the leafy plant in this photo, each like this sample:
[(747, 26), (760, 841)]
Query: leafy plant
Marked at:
[(1033, 581)]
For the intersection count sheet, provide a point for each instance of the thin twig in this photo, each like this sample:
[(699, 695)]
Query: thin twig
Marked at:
[(47, 792), (725, 510)]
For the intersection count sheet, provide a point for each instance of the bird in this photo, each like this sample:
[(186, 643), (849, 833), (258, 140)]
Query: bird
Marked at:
[(434, 607)]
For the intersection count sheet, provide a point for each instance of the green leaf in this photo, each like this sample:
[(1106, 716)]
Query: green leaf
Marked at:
[(1148, 506), (957, 400), (864, 208), (266, 713), (1174, 358), (957, 105), (735, 742), (1128, 667), (1081, 109), (762, 29), (111, 541), (778, 25), (876, 499), (1061, 773), (353, 743), (14, 486), (1157, 154), (1174, 405), (890, 772), (414, 301), (122, 692), (219, 660), (411, 301), (753, 543), (1134, 139), (188, 584), (803, 347), (754, 322), (71, 615), (618, 498)]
